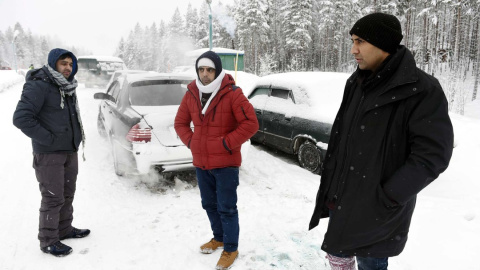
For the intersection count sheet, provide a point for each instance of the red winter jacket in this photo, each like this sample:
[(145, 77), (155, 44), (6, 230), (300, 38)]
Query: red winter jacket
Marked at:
[(229, 121)]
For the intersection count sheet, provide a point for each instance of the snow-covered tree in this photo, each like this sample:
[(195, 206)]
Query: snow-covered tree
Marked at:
[(252, 28), (298, 20)]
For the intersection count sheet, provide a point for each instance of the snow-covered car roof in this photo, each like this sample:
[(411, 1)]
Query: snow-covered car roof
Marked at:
[(135, 77), (319, 93), (101, 58)]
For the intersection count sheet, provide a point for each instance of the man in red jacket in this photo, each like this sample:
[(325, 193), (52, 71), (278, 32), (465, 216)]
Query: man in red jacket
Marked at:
[(223, 120)]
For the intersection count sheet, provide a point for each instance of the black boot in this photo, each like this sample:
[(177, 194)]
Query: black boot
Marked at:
[(57, 249), (76, 233)]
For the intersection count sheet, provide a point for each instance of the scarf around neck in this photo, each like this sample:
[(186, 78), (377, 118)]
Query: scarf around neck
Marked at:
[(68, 88), (213, 88)]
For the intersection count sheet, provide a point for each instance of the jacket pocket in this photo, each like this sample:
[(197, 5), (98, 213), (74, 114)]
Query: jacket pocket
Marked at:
[(226, 146), (385, 200)]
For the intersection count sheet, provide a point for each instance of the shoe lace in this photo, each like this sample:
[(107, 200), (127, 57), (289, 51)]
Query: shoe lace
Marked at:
[(226, 254)]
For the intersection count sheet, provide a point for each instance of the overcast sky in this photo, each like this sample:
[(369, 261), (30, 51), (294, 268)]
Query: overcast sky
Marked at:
[(96, 25)]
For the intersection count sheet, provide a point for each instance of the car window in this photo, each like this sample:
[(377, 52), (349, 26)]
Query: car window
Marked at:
[(260, 91), (115, 90), (157, 92), (281, 93), (87, 64), (110, 66), (280, 105), (110, 89)]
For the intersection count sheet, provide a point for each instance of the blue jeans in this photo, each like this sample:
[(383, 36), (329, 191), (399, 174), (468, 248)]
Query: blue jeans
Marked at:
[(218, 190), (369, 263)]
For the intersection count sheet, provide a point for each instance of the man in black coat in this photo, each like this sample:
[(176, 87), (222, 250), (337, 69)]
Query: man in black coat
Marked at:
[(48, 113), (391, 138)]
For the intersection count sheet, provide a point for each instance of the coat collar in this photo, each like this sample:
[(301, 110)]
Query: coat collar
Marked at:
[(225, 88), (404, 72)]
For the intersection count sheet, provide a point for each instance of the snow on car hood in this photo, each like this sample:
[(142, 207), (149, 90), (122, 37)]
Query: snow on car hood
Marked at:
[(161, 119)]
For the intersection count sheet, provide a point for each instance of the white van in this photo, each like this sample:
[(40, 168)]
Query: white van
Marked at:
[(96, 70)]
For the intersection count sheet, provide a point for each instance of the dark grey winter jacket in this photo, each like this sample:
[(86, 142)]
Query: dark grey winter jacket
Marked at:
[(39, 115), (401, 139)]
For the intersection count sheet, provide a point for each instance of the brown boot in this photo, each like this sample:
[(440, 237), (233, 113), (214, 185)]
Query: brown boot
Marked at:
[(211, 246), (226, 260)]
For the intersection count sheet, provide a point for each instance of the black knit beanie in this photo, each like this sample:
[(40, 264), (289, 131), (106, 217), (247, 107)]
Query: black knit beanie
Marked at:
[(379, 29), (215, 59)]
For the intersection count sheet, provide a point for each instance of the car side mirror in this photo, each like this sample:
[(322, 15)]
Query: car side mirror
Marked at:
[(103, 96)]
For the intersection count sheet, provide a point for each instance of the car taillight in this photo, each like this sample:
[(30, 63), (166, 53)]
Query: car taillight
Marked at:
[(137, 134)]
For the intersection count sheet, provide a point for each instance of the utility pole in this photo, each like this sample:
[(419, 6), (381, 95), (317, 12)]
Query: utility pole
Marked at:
[(15, 34), (210, 23)]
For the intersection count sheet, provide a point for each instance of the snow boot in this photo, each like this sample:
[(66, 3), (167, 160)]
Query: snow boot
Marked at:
[(57, 249), (226, 260), (76, 233), (211, 246)]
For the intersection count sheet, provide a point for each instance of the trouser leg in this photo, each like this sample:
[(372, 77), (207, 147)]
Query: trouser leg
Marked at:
[(50, 172), (227, 182), (341, 263), (70, 183), (208, 194), (370, 263)]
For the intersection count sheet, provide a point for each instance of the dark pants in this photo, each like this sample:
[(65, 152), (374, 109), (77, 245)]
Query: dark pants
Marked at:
[(218, 189), (57, 177), (369, 263)]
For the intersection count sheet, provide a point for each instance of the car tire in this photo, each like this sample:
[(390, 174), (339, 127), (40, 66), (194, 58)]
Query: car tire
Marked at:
[(309, 157), (101, 127), (118, 166)]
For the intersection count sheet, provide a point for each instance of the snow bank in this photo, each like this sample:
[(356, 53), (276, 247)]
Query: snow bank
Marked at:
[(9, 78)]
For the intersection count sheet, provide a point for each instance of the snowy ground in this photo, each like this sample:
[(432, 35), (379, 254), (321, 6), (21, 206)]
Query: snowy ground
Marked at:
[(135, 228)]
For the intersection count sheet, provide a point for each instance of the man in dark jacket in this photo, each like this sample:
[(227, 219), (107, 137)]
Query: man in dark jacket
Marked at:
[(391, 138), (223, 120), (48, 113)]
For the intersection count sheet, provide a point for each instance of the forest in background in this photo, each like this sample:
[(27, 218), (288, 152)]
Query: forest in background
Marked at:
[(30, 48), (299, 35)]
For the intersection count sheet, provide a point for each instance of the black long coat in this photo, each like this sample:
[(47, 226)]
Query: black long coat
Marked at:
[(401, 139)]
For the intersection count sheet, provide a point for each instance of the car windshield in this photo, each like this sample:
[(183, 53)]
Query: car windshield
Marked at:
[(157, 92)]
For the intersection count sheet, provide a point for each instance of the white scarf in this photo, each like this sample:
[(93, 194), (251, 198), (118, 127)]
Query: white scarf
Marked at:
[(213, 88)]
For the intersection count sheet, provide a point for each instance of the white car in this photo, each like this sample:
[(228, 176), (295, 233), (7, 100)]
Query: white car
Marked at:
[(136, 114)]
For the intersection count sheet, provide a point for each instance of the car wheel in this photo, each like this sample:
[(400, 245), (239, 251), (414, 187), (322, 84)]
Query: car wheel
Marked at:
[(101, 127), (118, 166), (309, 157)]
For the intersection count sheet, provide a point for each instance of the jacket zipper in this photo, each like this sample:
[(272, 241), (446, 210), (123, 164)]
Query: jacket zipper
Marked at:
[(197, 101)]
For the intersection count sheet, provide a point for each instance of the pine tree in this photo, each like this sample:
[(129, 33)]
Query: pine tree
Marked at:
[(191, 21), (202, 27), (252, 30), (298, 20)]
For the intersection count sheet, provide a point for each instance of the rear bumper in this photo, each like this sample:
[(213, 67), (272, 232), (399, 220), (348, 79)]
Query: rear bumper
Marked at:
[(178, 158)]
